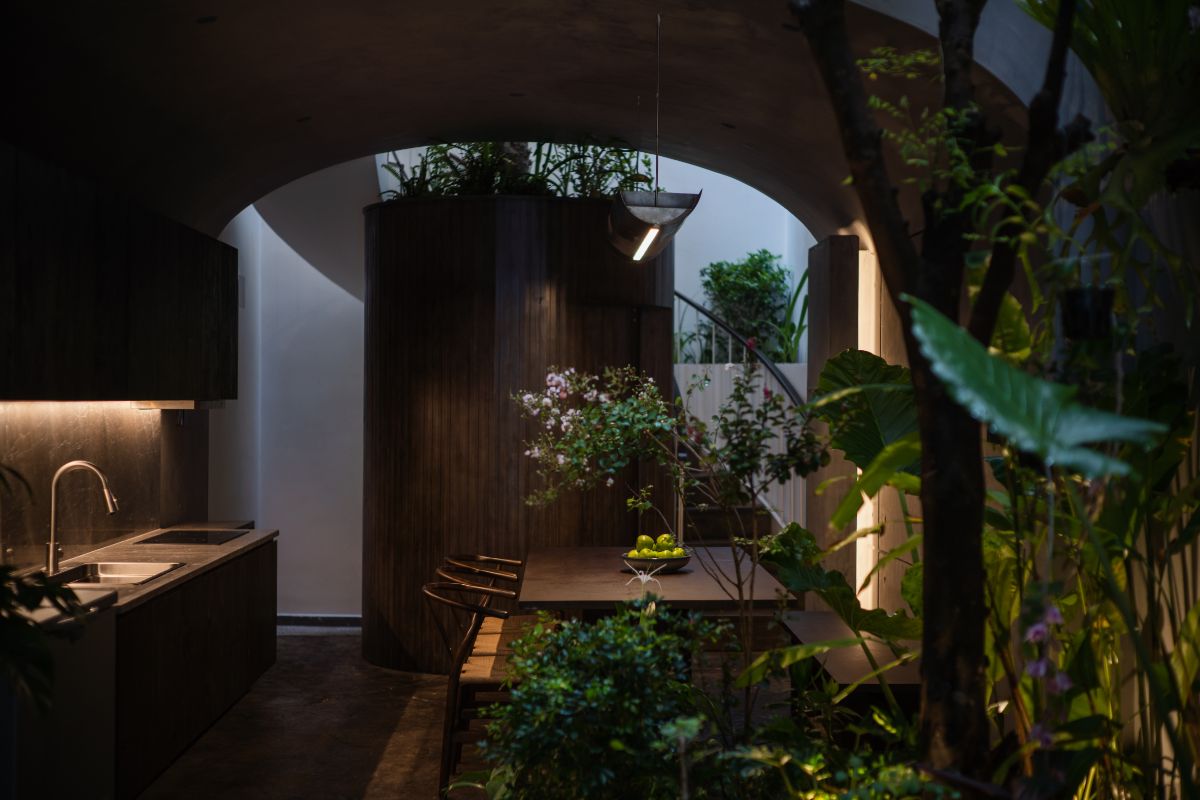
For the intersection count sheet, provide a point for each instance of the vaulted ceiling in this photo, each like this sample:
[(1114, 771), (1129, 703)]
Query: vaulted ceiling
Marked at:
[(200, 108)]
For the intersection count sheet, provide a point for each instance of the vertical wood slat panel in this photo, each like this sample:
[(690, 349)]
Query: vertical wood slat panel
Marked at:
[(185, 657), (832, 328), (101, 300), (468, 301)]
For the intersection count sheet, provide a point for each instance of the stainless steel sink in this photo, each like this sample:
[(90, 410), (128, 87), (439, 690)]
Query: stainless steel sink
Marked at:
[(114, 573)]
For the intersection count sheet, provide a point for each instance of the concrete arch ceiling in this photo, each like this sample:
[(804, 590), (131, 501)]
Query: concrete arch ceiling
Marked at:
[(200, 108)]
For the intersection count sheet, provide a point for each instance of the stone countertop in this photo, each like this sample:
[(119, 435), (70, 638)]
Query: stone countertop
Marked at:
[(196, 559), (93, 600)]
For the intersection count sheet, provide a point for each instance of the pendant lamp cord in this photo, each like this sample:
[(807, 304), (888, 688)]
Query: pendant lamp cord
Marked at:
[(657, 91)]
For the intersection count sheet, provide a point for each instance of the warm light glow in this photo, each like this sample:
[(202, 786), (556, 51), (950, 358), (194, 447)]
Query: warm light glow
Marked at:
[(651, 235), (869, 298)]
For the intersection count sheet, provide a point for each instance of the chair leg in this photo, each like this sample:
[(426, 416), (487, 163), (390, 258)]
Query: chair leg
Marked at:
[(449, 725)]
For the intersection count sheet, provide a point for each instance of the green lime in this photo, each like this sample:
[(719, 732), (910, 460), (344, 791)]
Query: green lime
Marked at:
[(665, 542), (644, 542), (678, 552), (632, 554), (646, 553)]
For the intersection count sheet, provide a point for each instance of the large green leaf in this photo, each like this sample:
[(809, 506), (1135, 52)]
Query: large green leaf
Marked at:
[(1185, 658), (1145, 61), (866, 421), (773, 661), (795, 556), (884, 470), (1036, 416), (1012, 338), (909, 545)]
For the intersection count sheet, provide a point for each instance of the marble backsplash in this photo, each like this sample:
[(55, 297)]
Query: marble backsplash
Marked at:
[(156, 463)]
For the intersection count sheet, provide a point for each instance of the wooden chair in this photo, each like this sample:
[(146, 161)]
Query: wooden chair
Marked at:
[(481, 570), (493, 568), (477, 664)]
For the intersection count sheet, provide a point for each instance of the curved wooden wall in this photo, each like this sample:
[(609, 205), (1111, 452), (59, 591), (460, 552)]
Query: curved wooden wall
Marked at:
[(469, 300)]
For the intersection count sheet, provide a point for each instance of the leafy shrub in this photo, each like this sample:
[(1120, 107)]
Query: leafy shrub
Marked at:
[(539, 168), (752, 296), (590, 703)]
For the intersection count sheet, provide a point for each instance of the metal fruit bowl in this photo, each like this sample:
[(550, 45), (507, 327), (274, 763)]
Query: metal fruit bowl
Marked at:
[(659, 566)]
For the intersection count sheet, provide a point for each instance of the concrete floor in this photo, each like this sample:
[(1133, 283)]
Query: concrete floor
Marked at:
[(320, 724)]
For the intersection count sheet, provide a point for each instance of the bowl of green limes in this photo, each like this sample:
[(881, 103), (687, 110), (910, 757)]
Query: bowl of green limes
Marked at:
[(658, 555)]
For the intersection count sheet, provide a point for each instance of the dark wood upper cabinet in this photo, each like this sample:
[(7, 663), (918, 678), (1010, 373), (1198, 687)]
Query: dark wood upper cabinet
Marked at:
[(103, 300)]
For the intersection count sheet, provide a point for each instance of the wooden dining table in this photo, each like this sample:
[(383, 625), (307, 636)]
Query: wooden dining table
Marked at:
[(582, 579)]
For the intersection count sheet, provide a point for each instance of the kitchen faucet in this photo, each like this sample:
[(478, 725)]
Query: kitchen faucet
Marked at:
[(109, 500)]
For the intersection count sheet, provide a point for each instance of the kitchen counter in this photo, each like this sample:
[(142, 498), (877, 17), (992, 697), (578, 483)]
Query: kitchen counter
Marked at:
[(196, 559), (92, 600)]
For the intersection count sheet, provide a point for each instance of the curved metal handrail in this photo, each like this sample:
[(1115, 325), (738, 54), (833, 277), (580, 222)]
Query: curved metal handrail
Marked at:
[(767, 363)]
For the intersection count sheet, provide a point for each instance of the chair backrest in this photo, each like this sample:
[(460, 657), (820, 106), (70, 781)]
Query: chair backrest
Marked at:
[(472, 578), (469, 604), (495, 568)]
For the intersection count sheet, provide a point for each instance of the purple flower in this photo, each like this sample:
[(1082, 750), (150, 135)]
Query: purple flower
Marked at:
[(1061, 682), (1037, 633), (1038, 668), (1052, 616), (1041, 734), (1194, 18)]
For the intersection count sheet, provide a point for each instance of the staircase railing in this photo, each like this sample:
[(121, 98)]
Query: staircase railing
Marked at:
[(702, 350)]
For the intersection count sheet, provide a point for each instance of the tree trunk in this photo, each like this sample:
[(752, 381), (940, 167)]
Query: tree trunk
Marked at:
[(954, 733)]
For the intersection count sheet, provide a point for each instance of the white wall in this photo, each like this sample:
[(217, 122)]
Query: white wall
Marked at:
[(731, 220), (297, 426)]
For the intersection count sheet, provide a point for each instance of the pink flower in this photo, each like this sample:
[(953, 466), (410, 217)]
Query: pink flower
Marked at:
[(1037, 633), (1038, 668), (751, 343), (766, 393)]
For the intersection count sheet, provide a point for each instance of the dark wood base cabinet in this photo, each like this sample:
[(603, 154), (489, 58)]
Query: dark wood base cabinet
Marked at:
[(67, 751), (186, 656)]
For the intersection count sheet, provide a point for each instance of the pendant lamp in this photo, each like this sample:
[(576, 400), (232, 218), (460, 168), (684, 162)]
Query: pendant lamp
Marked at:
[(642, 223)]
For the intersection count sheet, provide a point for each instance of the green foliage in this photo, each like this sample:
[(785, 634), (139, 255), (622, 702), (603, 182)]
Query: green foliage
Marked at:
[(591, 703), (751, 296), (795, 557), (790, 332), (868, 404), (887, 469), (539, 168), (1145, 58), (591, 429), (26, 663), (1037, 416)]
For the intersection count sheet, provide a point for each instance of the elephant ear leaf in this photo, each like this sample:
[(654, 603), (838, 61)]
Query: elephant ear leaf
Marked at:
[(868, 404), (1036, 416)]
